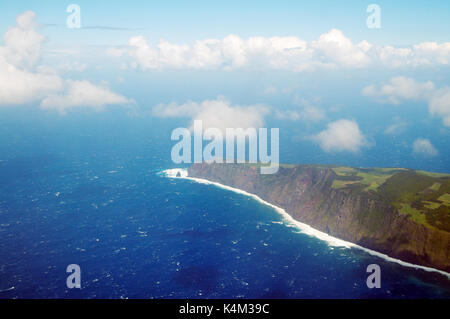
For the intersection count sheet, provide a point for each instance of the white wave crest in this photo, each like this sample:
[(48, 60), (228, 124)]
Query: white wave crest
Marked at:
[(175, 173), (303, 228)]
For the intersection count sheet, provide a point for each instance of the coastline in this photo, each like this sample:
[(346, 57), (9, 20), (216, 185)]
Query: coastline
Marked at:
[(303, 228)]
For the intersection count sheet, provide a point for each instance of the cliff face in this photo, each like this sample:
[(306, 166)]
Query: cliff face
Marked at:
[(351, 210)]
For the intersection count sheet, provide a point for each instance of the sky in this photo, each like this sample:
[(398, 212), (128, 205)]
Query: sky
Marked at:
[(317, 69), (403, 22)]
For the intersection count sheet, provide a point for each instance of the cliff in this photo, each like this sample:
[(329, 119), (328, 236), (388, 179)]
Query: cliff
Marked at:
[(400, 212)]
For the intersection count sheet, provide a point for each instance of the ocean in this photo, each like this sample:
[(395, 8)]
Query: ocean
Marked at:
[(96, 196)]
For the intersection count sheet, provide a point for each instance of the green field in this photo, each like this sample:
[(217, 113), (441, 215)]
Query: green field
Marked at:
[(371, 178), (415, 214), (445, 199), (423, 196)]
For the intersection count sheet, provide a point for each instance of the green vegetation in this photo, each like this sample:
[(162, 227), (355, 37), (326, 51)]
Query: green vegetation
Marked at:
[(415, 214), (435, 186), (441, 200), (431, 205), (344, 171), (337, 183), (432, 174), (445, 199), (371, 178), (422, 196), (401, 212)]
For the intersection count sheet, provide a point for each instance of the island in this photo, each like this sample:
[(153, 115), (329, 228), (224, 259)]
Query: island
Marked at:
[(400, 212)]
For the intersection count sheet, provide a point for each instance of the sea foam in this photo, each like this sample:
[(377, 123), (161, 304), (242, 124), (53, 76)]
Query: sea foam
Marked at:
[(303, 228)]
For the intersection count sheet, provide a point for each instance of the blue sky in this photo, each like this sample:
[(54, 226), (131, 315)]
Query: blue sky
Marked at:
[(338, 88), (403, 22)]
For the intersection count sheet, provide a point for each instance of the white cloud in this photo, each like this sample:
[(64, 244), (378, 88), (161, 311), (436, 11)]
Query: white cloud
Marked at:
[(439, 105), (312, 113), (306, 111), (419, 55), (330, 51), (70, 67), (396, 57), (401, 89), (287, 115), (219, 113), (433, 53), (341, 135), (334, 47), (395, 128), (82, 94), (271, 90), (22, 80), (188, 109), (19, 86), (423, 146), (22, 44)]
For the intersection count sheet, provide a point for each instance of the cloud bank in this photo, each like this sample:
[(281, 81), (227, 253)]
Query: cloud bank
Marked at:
[(330, 51), (82, 93), (218, 113), (401, 89), (22, 80)]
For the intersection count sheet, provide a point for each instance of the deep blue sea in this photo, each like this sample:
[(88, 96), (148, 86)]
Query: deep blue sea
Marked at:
[(88, 192)]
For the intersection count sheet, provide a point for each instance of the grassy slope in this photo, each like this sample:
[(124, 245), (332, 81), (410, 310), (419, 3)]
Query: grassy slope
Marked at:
[(423, 196)]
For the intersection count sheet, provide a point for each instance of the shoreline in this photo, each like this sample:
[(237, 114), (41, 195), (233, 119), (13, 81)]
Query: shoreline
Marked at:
[(303, 228)]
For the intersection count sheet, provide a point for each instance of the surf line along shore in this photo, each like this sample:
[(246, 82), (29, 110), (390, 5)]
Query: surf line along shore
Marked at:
[(303, 228)]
